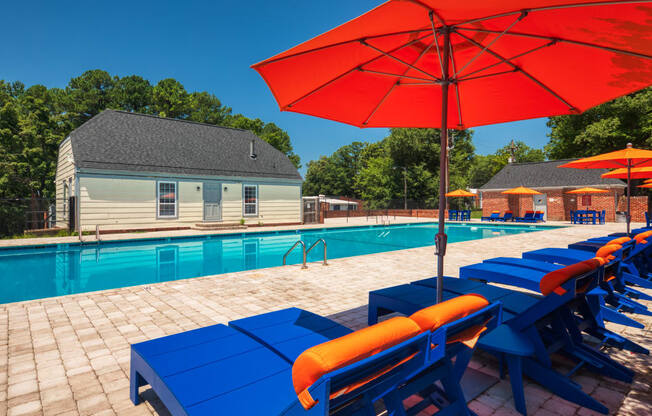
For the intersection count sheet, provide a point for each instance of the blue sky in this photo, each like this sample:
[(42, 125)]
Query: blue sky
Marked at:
[(206, 45)]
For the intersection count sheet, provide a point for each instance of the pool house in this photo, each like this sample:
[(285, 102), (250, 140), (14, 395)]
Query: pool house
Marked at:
[(128, 171), (553, 184)]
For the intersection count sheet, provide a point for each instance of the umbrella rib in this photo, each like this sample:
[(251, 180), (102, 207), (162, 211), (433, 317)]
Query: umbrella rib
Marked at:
[(399, 60), (434, 34), (570, 41), (351, 70), (423, 52), (540, 9), (457, 88), (493, 74), (431, 10), (467, 76), (528, 75), (389, 74), (518, 19), (332, 45)]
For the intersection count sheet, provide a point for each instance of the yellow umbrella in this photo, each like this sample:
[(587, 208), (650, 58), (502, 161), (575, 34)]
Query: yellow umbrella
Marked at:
[(521, 190), (461, 193), (586, 191)]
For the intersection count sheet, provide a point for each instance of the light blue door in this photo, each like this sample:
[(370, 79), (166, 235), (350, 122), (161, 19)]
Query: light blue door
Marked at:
[(212, 201)]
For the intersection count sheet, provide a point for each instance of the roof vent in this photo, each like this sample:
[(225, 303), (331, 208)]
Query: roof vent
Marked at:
[(251, 150)]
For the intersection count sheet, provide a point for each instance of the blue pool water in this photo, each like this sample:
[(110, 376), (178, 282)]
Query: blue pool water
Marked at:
[(61, 269)]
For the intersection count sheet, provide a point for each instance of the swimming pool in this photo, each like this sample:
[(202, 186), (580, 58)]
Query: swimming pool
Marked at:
[(60, 269)]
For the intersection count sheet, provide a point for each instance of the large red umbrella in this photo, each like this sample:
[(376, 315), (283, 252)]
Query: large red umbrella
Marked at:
[(427, 63)]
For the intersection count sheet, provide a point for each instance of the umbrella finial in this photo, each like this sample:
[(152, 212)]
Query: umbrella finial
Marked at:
[(629, 145)]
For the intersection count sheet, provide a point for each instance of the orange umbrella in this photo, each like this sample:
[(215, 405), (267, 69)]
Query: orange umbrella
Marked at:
[(586, 191), (647, 181), (521, 190), (636, 173), (460, 193), (646, 185), (626, 158)]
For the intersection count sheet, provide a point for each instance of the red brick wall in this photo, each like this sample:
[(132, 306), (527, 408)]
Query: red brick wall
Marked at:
[(559, 204), (638, 207)]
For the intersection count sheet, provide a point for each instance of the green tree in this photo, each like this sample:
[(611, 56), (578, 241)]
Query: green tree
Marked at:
[(86, 96), (131, 93), (607, 127), (485, 167), (375, 183), (335, 174), (207, 108), (170, 99)]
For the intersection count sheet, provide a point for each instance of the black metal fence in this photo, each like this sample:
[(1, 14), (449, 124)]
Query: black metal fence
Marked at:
[(18, 216)]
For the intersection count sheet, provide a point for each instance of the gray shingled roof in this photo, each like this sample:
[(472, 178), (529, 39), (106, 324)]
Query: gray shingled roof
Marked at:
[(118, 140), (547, 175)]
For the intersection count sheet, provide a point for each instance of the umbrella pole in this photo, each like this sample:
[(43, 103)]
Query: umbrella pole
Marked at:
[(629, 192), (441, 238)]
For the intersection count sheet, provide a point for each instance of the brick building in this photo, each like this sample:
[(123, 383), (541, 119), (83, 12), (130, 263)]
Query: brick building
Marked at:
[(553, 183)]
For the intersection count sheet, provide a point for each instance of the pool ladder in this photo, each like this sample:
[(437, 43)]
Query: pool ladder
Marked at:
[(305, 252)]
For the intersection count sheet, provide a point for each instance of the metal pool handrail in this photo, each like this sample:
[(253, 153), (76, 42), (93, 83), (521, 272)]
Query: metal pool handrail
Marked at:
[(303, 249), (325, 250)]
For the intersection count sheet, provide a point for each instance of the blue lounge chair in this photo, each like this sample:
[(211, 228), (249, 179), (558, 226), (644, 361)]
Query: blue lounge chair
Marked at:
[(507, 216), (538, 216), (495, 215), (246, 368), (648, 220), (528, 217), (521, 341)]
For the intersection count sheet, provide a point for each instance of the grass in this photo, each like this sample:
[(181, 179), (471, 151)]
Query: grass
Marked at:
[(476, 213)]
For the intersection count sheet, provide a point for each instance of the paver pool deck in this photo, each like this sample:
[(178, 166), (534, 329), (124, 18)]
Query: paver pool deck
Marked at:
[(70, 355)]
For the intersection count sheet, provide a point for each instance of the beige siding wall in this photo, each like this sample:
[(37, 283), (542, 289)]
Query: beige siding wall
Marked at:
[(131, 203), (65, 171), (279, 203), (121, 203)]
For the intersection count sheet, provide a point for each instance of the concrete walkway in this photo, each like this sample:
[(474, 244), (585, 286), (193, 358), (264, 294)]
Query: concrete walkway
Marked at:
[(70, 355)]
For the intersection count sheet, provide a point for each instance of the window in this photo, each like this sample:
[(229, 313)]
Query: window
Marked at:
[(250, 200), (167, 199)]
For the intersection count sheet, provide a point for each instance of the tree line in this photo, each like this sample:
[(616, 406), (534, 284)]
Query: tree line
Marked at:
[(34, 121), (376, 172)]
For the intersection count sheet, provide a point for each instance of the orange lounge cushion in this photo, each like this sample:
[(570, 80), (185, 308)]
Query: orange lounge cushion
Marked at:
[(620, 240), (607, 250), (332, 355), (641, 238), (552, 281), (433, 317)]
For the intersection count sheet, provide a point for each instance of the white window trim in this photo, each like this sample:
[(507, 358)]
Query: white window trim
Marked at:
[(244, 211), (176, 200)]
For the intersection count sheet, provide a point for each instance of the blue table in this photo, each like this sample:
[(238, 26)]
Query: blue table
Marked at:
[(585, 217)]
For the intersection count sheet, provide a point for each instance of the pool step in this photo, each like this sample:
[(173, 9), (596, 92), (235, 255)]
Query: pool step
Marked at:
[(219, 226)]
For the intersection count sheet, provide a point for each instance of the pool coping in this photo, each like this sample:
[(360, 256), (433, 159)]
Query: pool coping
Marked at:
[(56, 245)]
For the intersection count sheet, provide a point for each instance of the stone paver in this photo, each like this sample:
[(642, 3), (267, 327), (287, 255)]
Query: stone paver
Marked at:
[(70, 355)]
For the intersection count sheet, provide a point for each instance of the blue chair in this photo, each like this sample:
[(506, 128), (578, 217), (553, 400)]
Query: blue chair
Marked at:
[(507, 216), (648, 220), (453, 214), (521, 341), (572, 217), (495, 215), (246, 368), (602, 217), (528, 217), (465, 215)]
